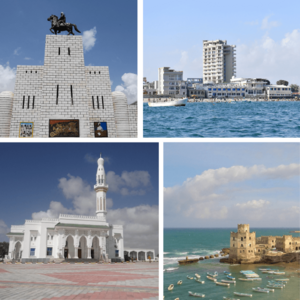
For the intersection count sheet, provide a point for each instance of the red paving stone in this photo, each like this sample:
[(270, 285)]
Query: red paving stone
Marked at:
[(108, 295), (3, 271), (97, 276)]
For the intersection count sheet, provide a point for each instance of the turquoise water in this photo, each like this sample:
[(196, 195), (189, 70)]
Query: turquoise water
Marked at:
[(240, 119), (179, 243)]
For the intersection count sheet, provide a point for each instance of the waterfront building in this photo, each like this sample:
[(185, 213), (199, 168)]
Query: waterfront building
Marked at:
[(65, 98), (191, 81), (278, 91), (219, 63), (170, 82), (150, 88), (245, 245), (74, 236)]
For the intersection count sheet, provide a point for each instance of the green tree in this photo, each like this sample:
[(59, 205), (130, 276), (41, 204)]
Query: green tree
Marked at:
[(282, 82), (3, 249), (295, 88)]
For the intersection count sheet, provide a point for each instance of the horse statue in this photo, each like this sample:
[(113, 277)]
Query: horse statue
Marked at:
[(57, 28)]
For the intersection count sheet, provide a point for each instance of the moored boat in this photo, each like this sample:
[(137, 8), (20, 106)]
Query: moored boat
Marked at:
[(211, 278), (188, 277), (279, 273), (179, 282), (227, 273), (228, 281), (275, 286), (171, 287), (283, 279), (223, 284), (196, 295), (197, 275), (212, 275), (259, 290), (169, 102), (242, 294), (230, 277), (227, 298), (200, 281)]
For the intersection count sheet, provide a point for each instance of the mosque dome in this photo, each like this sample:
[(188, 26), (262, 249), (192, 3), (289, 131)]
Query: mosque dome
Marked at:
[(6, 101)]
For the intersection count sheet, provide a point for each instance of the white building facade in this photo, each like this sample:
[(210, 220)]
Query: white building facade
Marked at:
[(278, 91), (219, 62), (171, 83), (65, 98), (71, 236)]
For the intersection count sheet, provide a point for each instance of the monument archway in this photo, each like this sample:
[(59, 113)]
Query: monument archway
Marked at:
[(17, 250), (95, 251), (82, 249), (69, 250), (142, 255)]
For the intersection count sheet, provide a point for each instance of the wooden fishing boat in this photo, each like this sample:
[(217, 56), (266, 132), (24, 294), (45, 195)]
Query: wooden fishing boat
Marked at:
[(212, 275), (197, 275), (230, 277), (171, 287), (228, 281), (275, 286), (283, 279), (227, 298), (200, 281), (270, 290), (259, 290), (179, 282), (223, 284), (279, 273), (188, 277), (227, 273), (196, 295), (242, 294), (211, 278)]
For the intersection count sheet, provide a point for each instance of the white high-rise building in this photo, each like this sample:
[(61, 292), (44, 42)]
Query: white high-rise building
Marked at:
[(219, 64), (171, 82)]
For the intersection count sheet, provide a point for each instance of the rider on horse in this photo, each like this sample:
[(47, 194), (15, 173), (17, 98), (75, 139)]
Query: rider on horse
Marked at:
[(62, 19)]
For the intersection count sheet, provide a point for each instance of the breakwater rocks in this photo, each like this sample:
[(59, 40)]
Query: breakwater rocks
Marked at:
[(267, 259)]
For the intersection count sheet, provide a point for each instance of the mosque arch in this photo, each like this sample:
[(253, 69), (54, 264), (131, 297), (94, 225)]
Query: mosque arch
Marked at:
[(150, 253), (69, 249), (82, 247), (142, 255), (17, 250), (133, 255), (95, 249)]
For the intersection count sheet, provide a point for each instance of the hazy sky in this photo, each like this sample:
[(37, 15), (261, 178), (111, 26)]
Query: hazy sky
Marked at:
[(45, 179), (266, 35), (109, 30), (225, 184)]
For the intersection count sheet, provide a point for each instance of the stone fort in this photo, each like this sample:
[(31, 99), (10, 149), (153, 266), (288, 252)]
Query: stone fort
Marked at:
[(67, 92), (246, 246)]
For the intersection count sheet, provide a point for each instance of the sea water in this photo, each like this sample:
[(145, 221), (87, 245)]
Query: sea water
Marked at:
[(235, 119), (179, 243)]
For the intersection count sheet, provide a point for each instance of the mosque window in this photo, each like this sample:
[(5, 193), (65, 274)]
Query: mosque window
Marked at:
[(71, 88), (57, 88), (100, 203), (49, 251), (32, 251)]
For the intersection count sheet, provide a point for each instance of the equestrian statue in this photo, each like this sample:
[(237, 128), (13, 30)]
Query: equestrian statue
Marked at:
[(59, 25)]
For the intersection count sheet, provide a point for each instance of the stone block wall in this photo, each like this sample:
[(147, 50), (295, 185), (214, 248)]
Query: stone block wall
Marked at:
[(133, 120)]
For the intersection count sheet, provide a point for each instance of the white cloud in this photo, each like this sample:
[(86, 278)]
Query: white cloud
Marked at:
[(140, 225), (129, 87), (209, 195), (27, 58), (129, 183), (253, 204), (267, 58), (7, 78), (3, 227), (140, 222), (267, 25), (89, 39), (17, 51)]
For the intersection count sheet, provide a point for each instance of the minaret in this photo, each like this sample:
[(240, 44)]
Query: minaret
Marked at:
[(101, 188)]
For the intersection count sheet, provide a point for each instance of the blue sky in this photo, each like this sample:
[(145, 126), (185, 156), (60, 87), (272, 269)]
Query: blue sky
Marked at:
[(223, 184), (266, 33), (24, 26), (31, 176)]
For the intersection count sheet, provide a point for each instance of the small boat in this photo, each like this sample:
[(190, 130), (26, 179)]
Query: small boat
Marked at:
[(197, 275), (268, 269), (276, 283), (227, 273), (171, 287), (279, 273), (275, 286), (179, 282), (170, 269), (212, 275), (177, 299), (270, 290), (283, 279), (228, 281), (227, 298), (196, 295), (189, 277), (223, 284), (171, 102), (242, 294), (230, 277), (211, 278), (199, 281), (259, 290)]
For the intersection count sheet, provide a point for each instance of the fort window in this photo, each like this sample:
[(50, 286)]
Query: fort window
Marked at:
[(58, 50), (35, 71), (233, 245), (99, 72), (69, 51), (93, 102), (249, 237), (71, 94), (290, 243), (102, 103), (33, 102), (98, 102), (23, 102), (258, 250), (26, 71), (28, 101), (57, 88), (233, 238), (240, 251), (242, 245), (95, 72), (242, 239), (30, 71)]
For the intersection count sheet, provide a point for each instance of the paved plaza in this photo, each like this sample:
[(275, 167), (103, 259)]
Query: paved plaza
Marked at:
[(79, 281)]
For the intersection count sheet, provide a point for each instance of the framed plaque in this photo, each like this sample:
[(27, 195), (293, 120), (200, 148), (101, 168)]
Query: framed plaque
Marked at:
[(100, 129), (26, 130), (63, 128)]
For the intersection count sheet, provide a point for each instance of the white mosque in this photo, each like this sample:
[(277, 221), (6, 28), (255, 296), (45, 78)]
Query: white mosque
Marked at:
[(74, 236)]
